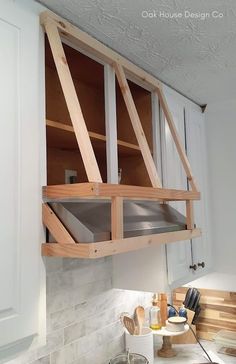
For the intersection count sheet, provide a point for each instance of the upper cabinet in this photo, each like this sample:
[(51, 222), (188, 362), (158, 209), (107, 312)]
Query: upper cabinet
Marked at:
[(190, 259), (178, 254), (197, 155), (21, 143)]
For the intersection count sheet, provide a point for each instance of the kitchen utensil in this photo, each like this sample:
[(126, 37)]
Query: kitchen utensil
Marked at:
[(129, 358), (129, 324), (192, 299), (191, 302), (122, 315), (196, 315), (139, 317), (141, 344), (187, 299)]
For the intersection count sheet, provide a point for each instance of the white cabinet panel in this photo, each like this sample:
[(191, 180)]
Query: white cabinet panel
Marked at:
[(189, 121), (9, 151), (196, 145), (179, 253), (20, 183)]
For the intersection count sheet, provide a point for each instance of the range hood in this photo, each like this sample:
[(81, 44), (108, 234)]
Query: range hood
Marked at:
[(138, 219), (90, 221)]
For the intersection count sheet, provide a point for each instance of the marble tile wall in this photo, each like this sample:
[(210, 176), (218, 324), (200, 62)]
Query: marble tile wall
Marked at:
[(83, 312)]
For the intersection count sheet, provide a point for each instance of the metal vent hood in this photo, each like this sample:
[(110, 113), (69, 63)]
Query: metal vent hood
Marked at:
[(90, 221)]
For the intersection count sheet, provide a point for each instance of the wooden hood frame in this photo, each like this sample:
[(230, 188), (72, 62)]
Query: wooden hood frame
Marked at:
[(56, 28)]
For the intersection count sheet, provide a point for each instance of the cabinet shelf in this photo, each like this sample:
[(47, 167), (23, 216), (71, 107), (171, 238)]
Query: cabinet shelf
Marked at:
[(60, 135)]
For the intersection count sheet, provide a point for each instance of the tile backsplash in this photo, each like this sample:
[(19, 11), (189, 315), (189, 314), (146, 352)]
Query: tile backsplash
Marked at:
[(83, 311)]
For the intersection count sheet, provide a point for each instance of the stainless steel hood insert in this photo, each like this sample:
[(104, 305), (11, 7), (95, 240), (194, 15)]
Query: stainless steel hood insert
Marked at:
[(90, 221)]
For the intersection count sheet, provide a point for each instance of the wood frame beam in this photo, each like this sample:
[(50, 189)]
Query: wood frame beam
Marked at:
[(55, 226), (156, 135), (97, 49), (112, 247), (176, 138), (74, 108), (189, 215), (106, 190), (117, 229), (137, 126)]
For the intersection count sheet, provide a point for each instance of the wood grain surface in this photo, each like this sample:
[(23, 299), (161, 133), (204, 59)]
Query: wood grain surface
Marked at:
[(218, 311)]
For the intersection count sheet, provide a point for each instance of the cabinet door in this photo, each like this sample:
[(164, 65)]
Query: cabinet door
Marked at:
[(196, 150), (20, 214), (179, 253)]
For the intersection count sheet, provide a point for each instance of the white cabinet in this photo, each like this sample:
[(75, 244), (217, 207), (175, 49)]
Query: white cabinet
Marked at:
[(178, 254), (21, 140), (189, 121), (196, 150)]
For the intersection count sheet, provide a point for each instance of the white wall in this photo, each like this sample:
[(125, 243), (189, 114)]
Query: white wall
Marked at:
[(143, 270), (221, 144), (215, 280)]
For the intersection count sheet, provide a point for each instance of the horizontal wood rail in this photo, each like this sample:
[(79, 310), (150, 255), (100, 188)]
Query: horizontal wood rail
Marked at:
[(106, 190), (112, 247)]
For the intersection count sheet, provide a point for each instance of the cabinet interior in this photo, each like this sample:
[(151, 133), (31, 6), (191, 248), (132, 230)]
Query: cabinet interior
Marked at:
[(62, 148)]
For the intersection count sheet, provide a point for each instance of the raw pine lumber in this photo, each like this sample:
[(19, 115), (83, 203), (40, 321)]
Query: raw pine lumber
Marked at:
[(66, 250), (189, 215), (156, 137), (107, 190), (176, 138), (117, 230), (117, 246), (89, 44), (55, 226)]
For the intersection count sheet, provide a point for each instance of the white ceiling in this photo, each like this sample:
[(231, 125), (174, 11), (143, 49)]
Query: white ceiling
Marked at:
[(196, 57)]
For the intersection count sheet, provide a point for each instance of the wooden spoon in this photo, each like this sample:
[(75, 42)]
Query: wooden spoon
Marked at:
[(139, 315), (129, 324)]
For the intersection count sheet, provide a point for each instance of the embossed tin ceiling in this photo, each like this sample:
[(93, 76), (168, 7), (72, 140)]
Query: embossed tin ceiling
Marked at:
[(194, 55)]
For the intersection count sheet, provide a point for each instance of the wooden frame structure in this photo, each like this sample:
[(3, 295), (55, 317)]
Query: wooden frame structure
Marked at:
[(117, 66)]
